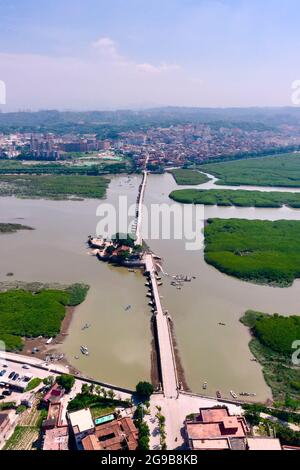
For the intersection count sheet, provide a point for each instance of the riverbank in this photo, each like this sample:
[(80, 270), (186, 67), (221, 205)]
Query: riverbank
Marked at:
[(35, 314), (56, 187), (271, 345)]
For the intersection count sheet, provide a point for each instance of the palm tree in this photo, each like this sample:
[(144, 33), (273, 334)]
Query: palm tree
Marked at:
[(111, 394)]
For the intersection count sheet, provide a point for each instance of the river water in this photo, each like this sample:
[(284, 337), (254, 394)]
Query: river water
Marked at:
[(209, 352), (119, 340)]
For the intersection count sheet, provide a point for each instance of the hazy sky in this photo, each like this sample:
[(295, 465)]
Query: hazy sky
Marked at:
[(95, 54)]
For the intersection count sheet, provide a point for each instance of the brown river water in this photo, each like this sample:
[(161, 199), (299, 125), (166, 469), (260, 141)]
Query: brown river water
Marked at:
[(118, 340)]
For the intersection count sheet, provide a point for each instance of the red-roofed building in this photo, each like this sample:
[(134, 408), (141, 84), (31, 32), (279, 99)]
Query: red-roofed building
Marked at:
[(54, 395), (215, 429), (120, 434)]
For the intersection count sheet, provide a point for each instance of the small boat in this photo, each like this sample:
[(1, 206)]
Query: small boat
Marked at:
[(85, 327), (218, 394), (205, 386), (247, 394), (233, 394), (76, 357), (128, 308), (222, 324), (84, 350)]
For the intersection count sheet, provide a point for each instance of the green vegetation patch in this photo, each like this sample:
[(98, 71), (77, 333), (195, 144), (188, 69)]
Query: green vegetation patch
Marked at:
[(32, 314), (12, 228), (34, 383), (273, 337), (53, 187), (185, 177), (88, 400), (258, 251), (279, 170), (240, 198)]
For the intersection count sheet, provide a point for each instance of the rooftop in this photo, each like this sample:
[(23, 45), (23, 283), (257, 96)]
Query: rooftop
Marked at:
[(82, 420), (262, 443), (57, 439), (119, 434)]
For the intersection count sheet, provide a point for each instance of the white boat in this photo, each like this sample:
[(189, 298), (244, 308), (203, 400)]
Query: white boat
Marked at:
[(84, 350), (233, 394)]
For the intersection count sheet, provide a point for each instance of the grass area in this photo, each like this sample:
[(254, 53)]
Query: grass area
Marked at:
[(53, 187), (185, 177), (34, 383), (258, 251), (238, 197), (97, 404), (279, 170), (99, 411), (12, 228), (273, 336), (32, 314)]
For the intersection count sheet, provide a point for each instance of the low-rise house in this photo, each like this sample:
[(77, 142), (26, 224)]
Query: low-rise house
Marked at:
[(263, 443), (119, 434), (216, 429), (82, 425), (54, 395), (54, 416), (56, 439)]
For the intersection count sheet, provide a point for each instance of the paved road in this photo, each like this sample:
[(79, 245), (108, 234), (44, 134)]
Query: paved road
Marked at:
[(167, 359), (175, 412), (139, 236)]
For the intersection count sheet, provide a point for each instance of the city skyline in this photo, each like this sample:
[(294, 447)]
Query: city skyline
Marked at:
[(95, 55)]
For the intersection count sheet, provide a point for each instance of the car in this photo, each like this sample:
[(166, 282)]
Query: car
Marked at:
[(7, 393), (4, 365), (3, 372), (2, 397), (25, 366), (15, 377), (2, 384), (11, 375)]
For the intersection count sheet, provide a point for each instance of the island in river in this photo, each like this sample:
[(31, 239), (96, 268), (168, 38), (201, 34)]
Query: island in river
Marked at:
[(184, 176), (13, 228), (236, 197), (259, 251)]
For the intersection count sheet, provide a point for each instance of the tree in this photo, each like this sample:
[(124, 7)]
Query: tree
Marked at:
[(144, 443), (111, 394), (144, 390), (85, 389), (66, 381), (48, 380)]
